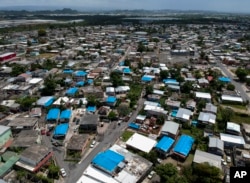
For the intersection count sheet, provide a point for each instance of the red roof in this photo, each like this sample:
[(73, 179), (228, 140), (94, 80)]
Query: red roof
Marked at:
[(210, 78)]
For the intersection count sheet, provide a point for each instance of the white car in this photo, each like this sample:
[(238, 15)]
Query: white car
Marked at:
[(63, 172), (228, 159), (151, 174), (93, 144)]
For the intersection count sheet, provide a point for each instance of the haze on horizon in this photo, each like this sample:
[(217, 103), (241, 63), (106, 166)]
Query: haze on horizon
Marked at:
[(210, 5)]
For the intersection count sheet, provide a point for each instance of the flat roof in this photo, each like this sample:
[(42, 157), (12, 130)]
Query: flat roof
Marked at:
[(53, 114), (61, 129), (89, 119), (211, 159), (231, 98), (136, 140), (76, 142), (26, 138), (232, 138), (35, 80), (216, 142), (23, 122), (203, 95), (233, 126)]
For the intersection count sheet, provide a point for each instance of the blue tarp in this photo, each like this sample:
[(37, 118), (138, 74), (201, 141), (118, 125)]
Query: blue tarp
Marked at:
[(80, 83), (90, 81), (121, 63), (164, 144), (170, 81), (45, 101), (174, 113), (53, 114), (225, 79), (68, 71), (184, 145), (61, 129), (108, 160), (134, 125), (49, 102), (71, 91), (80, 73), (126, 70), (66, 114), (146, 79), (111, 99), (91, 108)]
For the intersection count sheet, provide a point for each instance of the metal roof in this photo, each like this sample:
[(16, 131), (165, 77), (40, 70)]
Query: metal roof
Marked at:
[(207, 117), (170, 127), (233, 126), (216, 142)]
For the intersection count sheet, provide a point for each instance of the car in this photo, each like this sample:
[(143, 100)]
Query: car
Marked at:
[(48, 133), (228, 159), (63, 172), (43, 132), (223, 162), (93, 144), (151, 174)]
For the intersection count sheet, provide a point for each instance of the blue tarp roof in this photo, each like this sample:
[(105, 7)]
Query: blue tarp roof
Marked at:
[(90, 81), (121, 63), (111, 99), (53, 114), (224, 79), (80, 83), (170, 81), (68, 71), (134, 125), (91, 108), (66, 114), (165, 143), (71, 91), (61, 129), (80, 73), (126, 70), (146, 78), (108, 160), (184, 145)]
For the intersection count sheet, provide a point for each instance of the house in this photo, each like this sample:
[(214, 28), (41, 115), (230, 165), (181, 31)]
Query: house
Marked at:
[(183, 146), (164, 145), (7, 162), (173, 104), (231, 141), (93, 91), (5, 137), (246, 132), (203, 82), (88, 123), (135, 142), (184, 114), (23, 123), (78, 144), (204, 157), (34, 157), (230, 98), (155, 111), (210, 108), (216, 146), (45, 101), (233, 128), (170, 129), (153, 98), (110, 91), (191, 105), (111, 101), (207, 118), (241, 157), (203, 95)]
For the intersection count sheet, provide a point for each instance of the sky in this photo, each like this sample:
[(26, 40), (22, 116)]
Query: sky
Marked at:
[(214, 5)]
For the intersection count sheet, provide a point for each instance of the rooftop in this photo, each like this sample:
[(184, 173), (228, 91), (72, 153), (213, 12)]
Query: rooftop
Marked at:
[(23, 122), (89, 119), (76, 142)]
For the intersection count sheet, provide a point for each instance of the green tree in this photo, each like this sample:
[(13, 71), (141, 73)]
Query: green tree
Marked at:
[(49, 86), (202, 55), (17, 69), (226, 114), (53, 171), (127, 63), (41, 32), (123, 109), (29, 43), (116, 79), (26, 102), (186, 87), (149, 89), (241, 73), (93, 101), (141, 48), (151, 156), (112, 115), (166, 171), (230, 87), (160, 120), (164, 74)]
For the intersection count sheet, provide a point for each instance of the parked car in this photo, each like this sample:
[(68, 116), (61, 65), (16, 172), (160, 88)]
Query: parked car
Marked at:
[(228, 159), (151, 174), (63, 172), (93, 144)]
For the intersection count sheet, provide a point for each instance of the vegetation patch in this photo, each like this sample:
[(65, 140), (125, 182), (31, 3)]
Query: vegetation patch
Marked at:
[(126, 135)]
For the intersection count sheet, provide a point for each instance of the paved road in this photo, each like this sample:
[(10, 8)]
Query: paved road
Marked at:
[(237, 85), (109, 139)]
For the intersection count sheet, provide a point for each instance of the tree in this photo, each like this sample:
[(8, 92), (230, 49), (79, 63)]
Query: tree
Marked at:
[(241, 74), (127, 63), (160, 120), (166, 171), (151, 156), (116, 79), (226, 114), (141, 48), (93, 101), (202, 55), (26, 102), (49, 86), (112, 115), (164, 74), (149, 89), (53, 171), (17, 69), (41, 33), (123, 109), (230, 87), (186, 87), (29, 43)]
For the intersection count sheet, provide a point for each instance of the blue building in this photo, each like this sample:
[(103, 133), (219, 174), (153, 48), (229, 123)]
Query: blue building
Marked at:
[(71, 91), (164, 145), (65, 115), (183, 146), (61, 130), (53, 114)]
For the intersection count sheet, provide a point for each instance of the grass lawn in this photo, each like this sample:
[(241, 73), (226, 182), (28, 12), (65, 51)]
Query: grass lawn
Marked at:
[(240, 119), (186, 131), (126, 135), (189, 160), (242, 107)]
